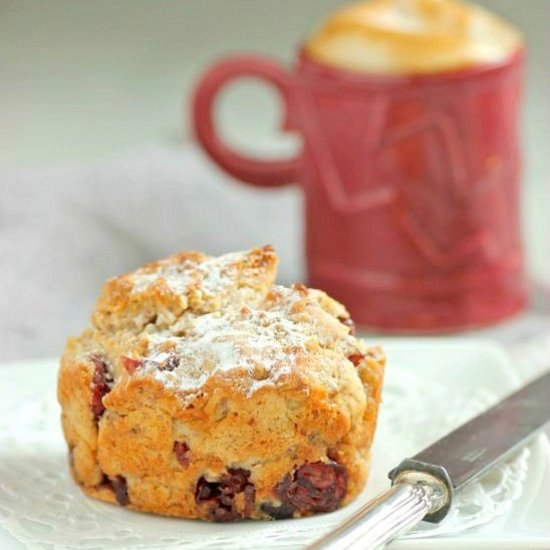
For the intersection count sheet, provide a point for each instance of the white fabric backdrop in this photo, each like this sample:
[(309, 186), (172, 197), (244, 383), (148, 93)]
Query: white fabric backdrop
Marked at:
[(64, 230)]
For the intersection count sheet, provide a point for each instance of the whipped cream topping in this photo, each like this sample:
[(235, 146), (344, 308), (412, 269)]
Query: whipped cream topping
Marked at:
[(412, 36)]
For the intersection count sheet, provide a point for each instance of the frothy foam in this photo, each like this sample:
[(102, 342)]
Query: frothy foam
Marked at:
[(412, 36)]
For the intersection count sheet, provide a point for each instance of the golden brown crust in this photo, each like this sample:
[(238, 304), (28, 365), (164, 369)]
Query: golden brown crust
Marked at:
[(203, 390)]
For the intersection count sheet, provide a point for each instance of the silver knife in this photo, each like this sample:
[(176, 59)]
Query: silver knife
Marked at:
[(423, 487)]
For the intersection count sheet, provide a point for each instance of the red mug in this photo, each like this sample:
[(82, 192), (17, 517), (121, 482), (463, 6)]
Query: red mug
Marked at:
[(411, 186)]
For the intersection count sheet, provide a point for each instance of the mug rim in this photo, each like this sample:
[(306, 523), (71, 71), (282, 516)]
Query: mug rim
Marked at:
[(309, 66)]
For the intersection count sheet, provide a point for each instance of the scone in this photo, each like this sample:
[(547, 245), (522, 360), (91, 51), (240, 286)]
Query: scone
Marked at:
[(203, 390)]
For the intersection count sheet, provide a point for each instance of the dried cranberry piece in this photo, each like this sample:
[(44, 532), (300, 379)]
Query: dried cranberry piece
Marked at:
[(119, 486), (205, 491), (348, 321), (130, 364), (313, 487), (169, 364), (224, 514), (318, 487), (220, 495), (249, 498), (183, 453), (284, 511), (101, 381), (356, 358), (236, 480)]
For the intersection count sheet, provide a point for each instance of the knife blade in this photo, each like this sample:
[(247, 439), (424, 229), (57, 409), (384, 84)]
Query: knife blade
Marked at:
[(423, 487)]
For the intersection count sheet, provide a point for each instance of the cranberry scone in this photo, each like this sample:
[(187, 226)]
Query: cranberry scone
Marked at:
[(204, 390)]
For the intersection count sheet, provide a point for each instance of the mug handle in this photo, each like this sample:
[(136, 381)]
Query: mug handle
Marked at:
[(261, 173)]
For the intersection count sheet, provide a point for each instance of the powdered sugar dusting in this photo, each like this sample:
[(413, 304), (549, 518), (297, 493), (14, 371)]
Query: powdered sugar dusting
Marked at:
[(212, 275), (174, 275), (257, 338), (263, 344), (219, 273)]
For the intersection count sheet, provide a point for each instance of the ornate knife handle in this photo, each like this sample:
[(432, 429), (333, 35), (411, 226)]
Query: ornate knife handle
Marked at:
[(415, 495)]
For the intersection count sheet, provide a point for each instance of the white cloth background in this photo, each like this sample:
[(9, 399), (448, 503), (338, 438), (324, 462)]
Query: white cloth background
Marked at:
[(65, 230)]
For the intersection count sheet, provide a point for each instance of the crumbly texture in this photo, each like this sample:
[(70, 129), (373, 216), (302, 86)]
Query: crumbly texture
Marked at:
[(203, 390)]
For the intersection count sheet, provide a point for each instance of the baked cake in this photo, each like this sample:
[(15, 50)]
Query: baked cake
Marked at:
[(204, 390)]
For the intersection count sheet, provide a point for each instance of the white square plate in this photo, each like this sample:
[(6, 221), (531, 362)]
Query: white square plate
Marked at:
[(432, 386)]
